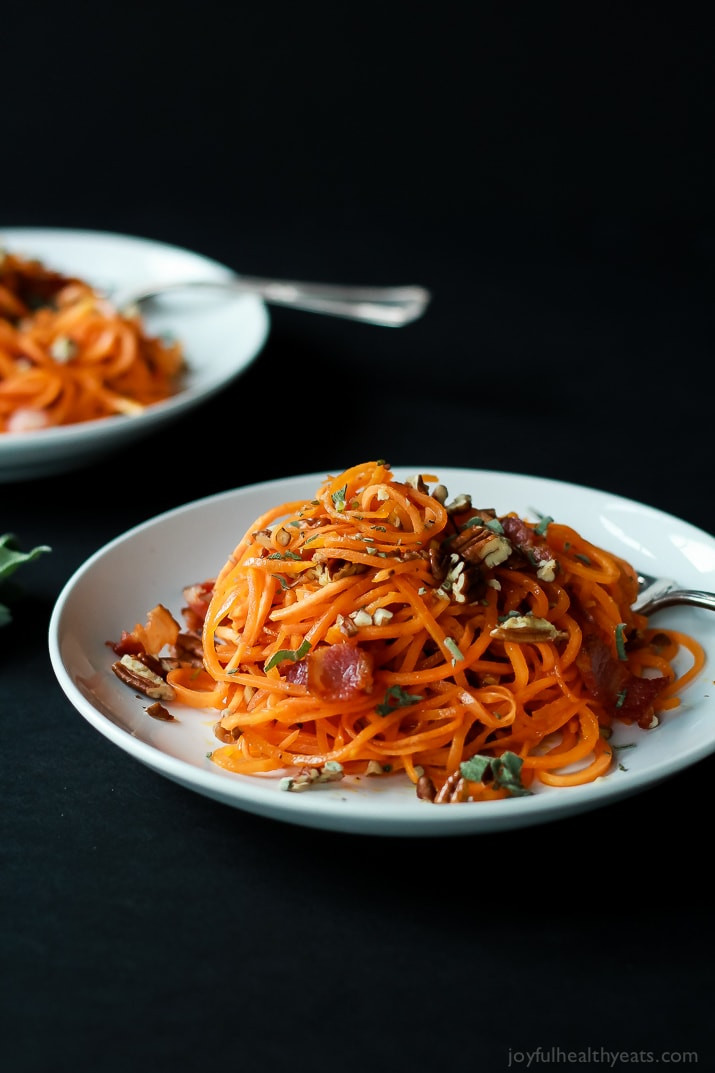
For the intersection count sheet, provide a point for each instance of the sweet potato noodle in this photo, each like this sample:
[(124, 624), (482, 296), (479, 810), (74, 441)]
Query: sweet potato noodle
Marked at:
[(382, 628), (67, 356)]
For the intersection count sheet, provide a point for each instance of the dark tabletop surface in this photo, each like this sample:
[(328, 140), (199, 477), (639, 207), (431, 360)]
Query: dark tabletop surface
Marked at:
[(551, 183)]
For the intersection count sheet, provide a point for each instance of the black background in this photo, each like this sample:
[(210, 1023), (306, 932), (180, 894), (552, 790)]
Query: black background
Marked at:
[(547, 172)]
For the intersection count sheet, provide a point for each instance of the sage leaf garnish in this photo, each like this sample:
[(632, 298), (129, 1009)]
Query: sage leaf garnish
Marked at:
[(287, 653), (505, 771), (396, 697)]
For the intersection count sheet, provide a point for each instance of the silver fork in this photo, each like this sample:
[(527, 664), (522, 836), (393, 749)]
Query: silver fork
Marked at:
[(657, 592), (390, 307)]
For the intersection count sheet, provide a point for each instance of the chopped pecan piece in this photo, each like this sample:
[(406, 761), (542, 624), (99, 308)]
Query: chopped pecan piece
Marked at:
[(459, 504), (263, 537), (361, 617), (546, 570), (158, 711), (136, 674), (527, 629), (481, 545), (417, 482), (152, 663), (425, 788), (437, 562), (452, 791), (530, 545), (332, 569), (189, 648), (331, 771), (469, 586), (228, 737), (461, 580), (346, 626)]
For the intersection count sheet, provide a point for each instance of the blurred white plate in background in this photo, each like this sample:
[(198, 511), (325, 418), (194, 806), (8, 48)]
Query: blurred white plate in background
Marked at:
[(221, 334)]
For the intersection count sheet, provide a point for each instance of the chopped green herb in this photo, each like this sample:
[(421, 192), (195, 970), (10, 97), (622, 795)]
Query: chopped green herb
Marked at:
[(505, 771), (284, 555), (487, 523), (621, 698), (339, 498), (475, 768), (400, 698), (495, 525), (620, 641), (451, 644), (544, 524), (287, 653)]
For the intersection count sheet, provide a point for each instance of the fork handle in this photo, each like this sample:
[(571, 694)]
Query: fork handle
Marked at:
[(387, 306)]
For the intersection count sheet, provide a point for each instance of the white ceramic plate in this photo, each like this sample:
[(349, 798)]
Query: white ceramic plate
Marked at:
[(221, 335), (152, 562)]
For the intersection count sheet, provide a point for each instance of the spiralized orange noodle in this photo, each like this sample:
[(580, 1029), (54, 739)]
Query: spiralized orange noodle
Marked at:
[(68, 356), (382, 628)]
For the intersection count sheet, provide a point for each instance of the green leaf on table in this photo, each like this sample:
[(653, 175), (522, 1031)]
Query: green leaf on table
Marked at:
[(10, 559)]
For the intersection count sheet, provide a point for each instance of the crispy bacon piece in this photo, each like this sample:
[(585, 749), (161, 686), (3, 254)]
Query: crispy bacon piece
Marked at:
[(161, 629), (127, 645), (334, 672), (624, 695), (296, 672), (531, 545), (198, 598), (339, 672)]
